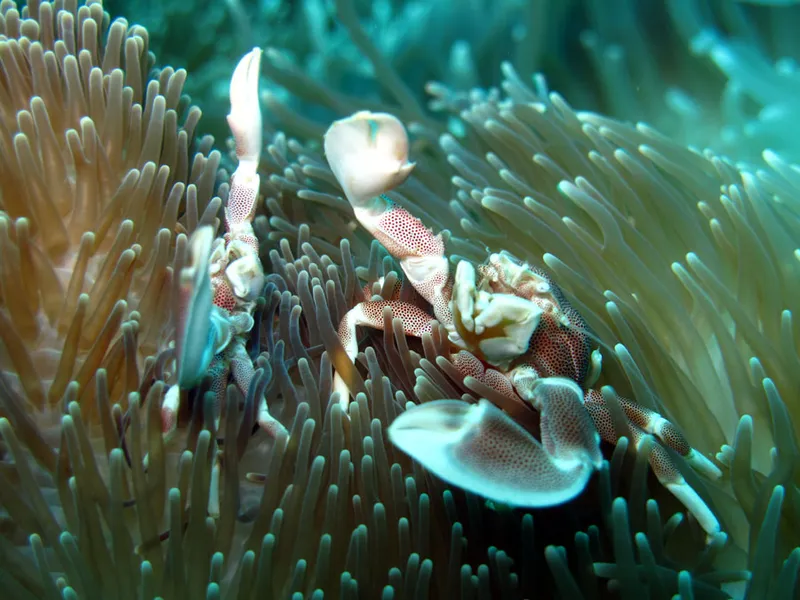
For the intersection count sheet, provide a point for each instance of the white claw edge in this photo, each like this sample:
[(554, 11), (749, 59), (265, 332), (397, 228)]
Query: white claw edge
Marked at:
[(245, 116), (368, 154)]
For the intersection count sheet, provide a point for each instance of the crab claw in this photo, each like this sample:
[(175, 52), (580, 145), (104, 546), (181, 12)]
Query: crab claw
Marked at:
[(202, 328), (245, 116), (479, 448), (194, 332), (368, 154), (245, 123)]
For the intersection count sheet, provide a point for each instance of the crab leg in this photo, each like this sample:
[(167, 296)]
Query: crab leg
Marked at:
[(368, 154), (481, 449), (642, 422), (370, 314)]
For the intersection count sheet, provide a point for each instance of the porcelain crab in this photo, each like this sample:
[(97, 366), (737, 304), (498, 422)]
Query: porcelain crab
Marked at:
[(218, 288), (512, 329)]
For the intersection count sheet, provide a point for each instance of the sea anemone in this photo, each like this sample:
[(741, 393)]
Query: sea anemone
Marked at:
[(720, 74), (683, 263), (94, 503), (96, 171)]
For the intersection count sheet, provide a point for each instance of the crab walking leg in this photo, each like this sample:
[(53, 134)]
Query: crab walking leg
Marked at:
[(481, 449), (653, 423), (370, 314), (642, 422), (243, 373), (470, 366), (421, 256)]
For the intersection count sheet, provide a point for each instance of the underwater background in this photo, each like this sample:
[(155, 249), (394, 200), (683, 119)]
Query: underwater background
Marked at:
[(642, 153)]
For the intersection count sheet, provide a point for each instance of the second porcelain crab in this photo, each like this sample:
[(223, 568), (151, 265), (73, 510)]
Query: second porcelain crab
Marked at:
[(218, 288), (512, 329)]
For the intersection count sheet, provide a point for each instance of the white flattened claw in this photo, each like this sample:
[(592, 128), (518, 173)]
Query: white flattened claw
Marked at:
[(368, 154), (195, 339), (245, 116), (479, 448)]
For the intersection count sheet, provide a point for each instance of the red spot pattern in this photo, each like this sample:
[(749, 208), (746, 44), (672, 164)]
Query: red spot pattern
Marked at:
[(402, 234), (218, 370), (241, 200), (396, 290), (560, 346), (223, 295), (243, 372), (468, 364), (639, 418), (415, 320), (498, 382), (471, 366), (594, 403), (660, 461), (558, 350)]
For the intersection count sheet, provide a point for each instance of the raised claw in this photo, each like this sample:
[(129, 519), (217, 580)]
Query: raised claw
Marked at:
[(368, 154), (479, 448), (245, 116)]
